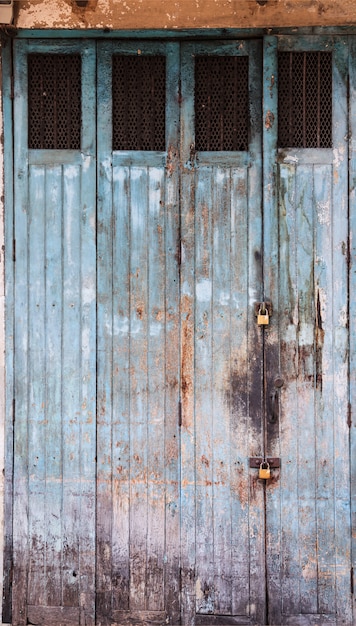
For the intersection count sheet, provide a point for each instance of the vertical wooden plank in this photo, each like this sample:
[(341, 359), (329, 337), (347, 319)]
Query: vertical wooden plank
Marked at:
[(108, 250), (341, 336), (304, 543), (324, 453), (203, 390), (9, 329), (5, 344), (121, 392), (37, 387), (223, 455), (71, 394), (88, 338), (156, 391), (20, 527), (352, 304), (271, 336), (172, 338), (331, 391), (138, 387), (53, 405), (299, 565), (187, 435), (254, 286), (238, 395), (288, 302)]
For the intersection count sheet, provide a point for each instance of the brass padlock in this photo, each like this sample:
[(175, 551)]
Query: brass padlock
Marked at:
[(262, 317), (264, 471)]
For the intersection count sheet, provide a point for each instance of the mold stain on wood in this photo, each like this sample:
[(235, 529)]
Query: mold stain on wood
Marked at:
[(319, 342), (187, 363)]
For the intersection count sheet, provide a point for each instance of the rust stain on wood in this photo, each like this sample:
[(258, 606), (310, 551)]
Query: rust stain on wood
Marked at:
[(239, 483), (172, 160), (269, 121)]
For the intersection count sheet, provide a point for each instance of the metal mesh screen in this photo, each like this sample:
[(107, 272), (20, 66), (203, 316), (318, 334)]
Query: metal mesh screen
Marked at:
[(221, 103), (305, 99), (139, 103), (54, 101)]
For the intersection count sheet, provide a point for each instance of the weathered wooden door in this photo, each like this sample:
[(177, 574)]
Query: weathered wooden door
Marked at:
[(223, 527), (51, 326), (306, 261), (138, 514), (180, 382), (135, 287)]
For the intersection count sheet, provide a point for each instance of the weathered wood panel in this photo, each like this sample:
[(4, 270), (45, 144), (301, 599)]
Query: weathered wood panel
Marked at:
[(55, 388), (310, 333), (138, 367), (9, 340), (271, 251), (352, 303), (178, 509), (222, 535)]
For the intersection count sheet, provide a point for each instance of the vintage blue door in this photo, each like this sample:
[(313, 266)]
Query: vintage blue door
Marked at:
[(221, 346), (138, 515), (306, 262), (163, 191), (52, 334)]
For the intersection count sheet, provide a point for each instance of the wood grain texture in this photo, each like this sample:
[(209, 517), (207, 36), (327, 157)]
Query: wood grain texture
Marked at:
[(221, 368), (352, 310), (138, 369), (313, 356), (144, 507), (9, 345), (55, 425)]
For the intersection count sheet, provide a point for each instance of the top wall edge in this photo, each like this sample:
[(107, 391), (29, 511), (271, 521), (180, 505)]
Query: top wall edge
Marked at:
[(181, 14)]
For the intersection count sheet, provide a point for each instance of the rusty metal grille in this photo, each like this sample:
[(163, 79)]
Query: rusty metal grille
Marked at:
[(221, 103), (305, 99), (54, 101), (139, 103)]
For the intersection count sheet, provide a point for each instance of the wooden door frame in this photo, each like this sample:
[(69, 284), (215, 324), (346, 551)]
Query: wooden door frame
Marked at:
[(7, 330)]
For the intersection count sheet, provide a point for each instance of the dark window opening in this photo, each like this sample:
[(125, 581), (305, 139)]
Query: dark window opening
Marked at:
[(139, 103), (54, 101), (305, 99), (221, 103)]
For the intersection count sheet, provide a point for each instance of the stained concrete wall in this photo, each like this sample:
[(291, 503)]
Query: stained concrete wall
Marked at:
[(182, 14)]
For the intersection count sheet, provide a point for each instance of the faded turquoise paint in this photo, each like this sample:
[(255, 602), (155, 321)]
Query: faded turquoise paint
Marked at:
[(271, 279), (54, 363), (138, 364), (9, 336), (169, 508), (352, 300), (308, 515), (221, 363)]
